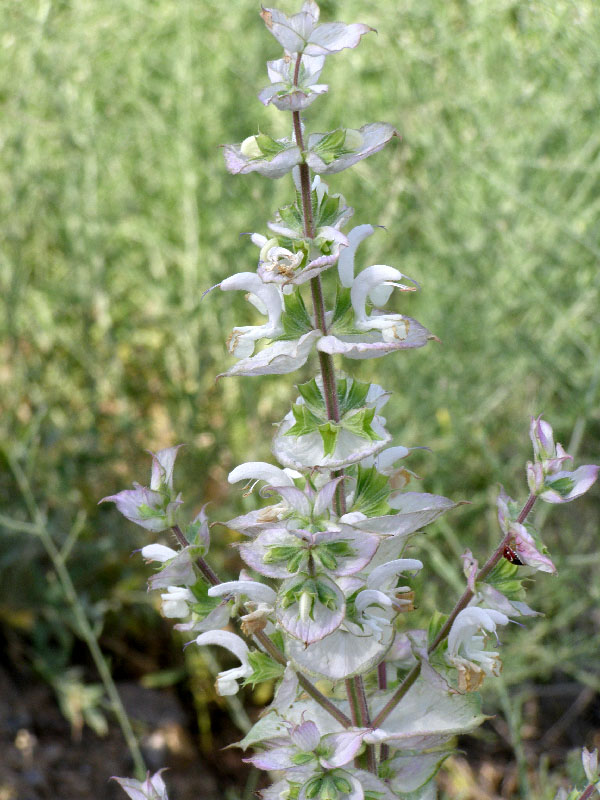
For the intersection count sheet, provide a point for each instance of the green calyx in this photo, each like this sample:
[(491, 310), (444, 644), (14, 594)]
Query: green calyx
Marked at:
[(264, 669), (371, 493), (268, 146), (332, 146), (311, 416)]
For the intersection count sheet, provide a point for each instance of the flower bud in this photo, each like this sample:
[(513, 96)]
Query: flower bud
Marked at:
[(250, 148), (535, 477), (542, 439)]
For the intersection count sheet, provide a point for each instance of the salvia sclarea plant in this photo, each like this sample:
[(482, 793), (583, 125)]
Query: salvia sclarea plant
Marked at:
[(326, 592)]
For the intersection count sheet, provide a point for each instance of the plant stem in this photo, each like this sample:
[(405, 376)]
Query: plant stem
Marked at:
[(462, 603), (365, 721), (384, 750), (355, 689)]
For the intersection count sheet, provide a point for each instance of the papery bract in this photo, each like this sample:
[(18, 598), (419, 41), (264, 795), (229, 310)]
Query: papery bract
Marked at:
[(153, 788), (300, 33)]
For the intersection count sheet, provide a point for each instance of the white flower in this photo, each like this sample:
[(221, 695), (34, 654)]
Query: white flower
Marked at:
[(466, 645), (268, 299), (226, 683), (392, 326), (158, 552), (254, 590), (175, 601), (255, 471)]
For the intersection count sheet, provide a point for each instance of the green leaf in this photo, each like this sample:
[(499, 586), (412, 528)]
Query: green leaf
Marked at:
[(329, 433), (147, 512), (326, 595), (372, 492), (296, 560), (329, 552), (278, 553), (292, 217), (264, 669), (300, 759), (295, 319), (340, 547), (277, 638), (305, 421)]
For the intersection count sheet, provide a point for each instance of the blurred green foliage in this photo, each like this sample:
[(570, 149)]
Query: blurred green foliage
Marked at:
[(118, 213)]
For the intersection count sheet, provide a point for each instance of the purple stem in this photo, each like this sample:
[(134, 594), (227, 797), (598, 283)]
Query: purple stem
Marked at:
[(356, 692)]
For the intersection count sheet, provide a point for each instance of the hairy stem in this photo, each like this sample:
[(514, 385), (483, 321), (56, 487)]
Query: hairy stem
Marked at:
[(384, 750), (462, 603), (588, 792), (365, 716)]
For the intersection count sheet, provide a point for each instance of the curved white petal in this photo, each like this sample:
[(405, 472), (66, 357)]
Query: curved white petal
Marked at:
[(388, 457), (346, 259), (230, 641), (255, 590), (158, 552), (371, 597), (387, 574), (468, 622), (260, 471), (367, 280)]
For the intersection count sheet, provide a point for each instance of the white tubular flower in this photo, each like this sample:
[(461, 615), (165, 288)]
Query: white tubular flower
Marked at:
[(379, 295), (254, 471), (158, 552), (262, 602), (466, 646), (226, 683), (267, 298), (277, 262), (392, 326), (385, 461), (364, 602), (255, 591), (384, 577), (346, 259), (175, 602)]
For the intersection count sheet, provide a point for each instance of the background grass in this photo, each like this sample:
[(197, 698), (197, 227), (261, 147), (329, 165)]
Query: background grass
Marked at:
[(118, 213)]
